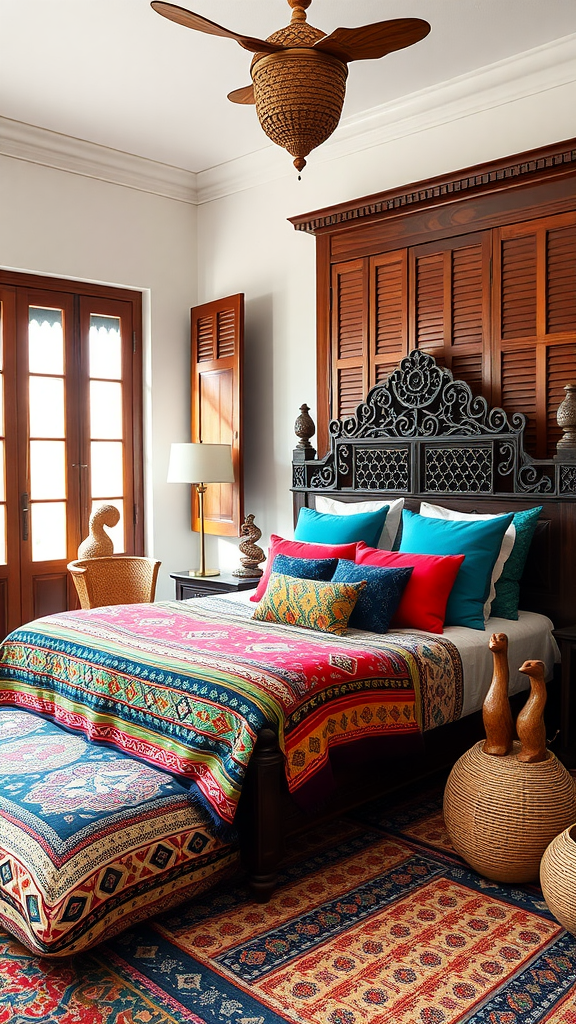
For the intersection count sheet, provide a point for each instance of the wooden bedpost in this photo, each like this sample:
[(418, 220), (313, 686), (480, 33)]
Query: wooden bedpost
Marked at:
[(262, 831)]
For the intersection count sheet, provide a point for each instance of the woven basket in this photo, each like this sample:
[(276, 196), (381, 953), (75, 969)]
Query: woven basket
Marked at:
[(501, 813), (558, 878), (299, 95)]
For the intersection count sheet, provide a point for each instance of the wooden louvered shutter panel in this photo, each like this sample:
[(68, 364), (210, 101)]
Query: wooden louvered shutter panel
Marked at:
[(349, 337), (217, 368), (450, 305), (428, 281), (535, 322), (388, 313)]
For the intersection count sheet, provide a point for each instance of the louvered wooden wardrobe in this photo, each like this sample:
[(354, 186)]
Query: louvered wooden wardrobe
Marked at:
[(478, 268)]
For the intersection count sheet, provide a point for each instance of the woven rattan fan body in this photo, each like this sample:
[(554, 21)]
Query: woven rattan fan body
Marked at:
[(299, 73)]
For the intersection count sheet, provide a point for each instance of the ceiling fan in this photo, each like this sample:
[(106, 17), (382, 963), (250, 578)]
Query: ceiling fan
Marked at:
[(299, 73)]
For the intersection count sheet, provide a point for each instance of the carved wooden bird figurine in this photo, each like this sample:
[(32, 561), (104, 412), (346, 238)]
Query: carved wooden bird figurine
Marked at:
[(496, 708), (530, 722)]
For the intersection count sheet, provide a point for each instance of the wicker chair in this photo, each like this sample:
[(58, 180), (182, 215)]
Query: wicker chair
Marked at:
[(116, 579)]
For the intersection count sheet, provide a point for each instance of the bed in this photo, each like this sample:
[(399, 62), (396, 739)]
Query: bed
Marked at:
[(275, 706)]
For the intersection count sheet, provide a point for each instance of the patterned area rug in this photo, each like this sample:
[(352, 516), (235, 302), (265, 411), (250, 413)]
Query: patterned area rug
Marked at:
[(376, 922)]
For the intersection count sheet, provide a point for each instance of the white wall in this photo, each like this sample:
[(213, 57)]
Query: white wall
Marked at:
[(70, 225), (246, 244)]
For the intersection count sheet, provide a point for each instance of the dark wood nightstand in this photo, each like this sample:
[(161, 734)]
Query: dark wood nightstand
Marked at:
[(203, 586), (566, 639)]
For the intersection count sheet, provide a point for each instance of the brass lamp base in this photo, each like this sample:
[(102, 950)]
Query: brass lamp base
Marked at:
[(207, 572)]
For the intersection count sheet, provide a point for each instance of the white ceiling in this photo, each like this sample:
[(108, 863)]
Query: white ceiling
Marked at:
[(115, 73)]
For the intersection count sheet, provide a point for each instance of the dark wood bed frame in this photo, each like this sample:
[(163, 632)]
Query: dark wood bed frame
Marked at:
[(420, 435)]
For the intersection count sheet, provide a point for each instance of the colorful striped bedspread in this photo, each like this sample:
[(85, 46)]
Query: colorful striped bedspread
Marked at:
[(187, 687)]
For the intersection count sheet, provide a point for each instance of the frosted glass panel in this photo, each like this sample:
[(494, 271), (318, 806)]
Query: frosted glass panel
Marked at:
[(47, 469), (48, 524), (105, 347), (45, 341), (116, 533), (46, 407), (105, 409), (106, 468), (2, 472), (3, 535)]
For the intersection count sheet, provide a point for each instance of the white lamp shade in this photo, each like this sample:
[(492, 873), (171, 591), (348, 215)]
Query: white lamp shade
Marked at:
[(200, 464)]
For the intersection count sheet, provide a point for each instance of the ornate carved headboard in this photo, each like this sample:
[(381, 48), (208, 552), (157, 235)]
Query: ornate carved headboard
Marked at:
[(423, 435)]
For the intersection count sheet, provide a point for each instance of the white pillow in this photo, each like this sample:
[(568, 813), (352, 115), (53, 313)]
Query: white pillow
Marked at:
[(508, 540), (350, 508)]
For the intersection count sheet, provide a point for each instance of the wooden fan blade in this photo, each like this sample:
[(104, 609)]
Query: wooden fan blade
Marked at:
[(372, 41), (245, 95), (190, 20)]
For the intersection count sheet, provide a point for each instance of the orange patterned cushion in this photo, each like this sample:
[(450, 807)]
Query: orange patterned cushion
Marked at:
[(308, 603)]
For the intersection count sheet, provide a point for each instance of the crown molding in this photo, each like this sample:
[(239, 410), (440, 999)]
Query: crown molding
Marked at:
[(532, 167), (534, 71), (522, 75), (63, 152)]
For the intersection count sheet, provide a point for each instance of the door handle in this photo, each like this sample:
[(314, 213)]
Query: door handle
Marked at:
[(25, 509)]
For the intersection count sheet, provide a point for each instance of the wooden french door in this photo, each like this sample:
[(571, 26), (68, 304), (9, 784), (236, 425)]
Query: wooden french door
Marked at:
[(71, 434)]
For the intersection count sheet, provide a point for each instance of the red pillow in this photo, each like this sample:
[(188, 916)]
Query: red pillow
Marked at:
[(301, 549), (423, 603)]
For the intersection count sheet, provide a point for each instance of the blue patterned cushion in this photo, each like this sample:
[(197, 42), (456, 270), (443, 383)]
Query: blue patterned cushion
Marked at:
[(381, 596), (308, 603), (305, 568), (505, 604), (92, 840)]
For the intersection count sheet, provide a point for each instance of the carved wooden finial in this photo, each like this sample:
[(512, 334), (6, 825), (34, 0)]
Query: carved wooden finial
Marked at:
[(496, 708), (304, 427), (566, 417), (251, 553), (299, 8), (530, 722)]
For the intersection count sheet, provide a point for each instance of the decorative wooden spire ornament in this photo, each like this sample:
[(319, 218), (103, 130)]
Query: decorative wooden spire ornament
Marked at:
[(496, 711), (304, 429), (566, 418)]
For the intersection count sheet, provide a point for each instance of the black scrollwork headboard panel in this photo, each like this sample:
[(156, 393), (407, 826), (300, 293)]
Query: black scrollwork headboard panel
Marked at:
[(423, 435)]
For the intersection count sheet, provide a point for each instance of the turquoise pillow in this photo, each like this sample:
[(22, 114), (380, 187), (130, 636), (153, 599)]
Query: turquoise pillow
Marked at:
[(478, 540), (322, 528), (505, 604)]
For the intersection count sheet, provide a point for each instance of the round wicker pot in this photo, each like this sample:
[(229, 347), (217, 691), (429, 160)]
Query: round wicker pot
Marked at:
[(558, 878), (501, 813), (299, 95)]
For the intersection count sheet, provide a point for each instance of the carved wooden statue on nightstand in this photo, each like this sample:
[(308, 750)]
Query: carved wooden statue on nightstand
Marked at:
[(251, 553), (506, 800)]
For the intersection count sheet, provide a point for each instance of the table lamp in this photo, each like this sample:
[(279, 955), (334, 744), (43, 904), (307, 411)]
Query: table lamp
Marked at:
[(201, 464)]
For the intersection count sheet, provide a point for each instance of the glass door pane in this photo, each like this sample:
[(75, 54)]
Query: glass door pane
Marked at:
[(107, 441), (47, 434), (3, 539)]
